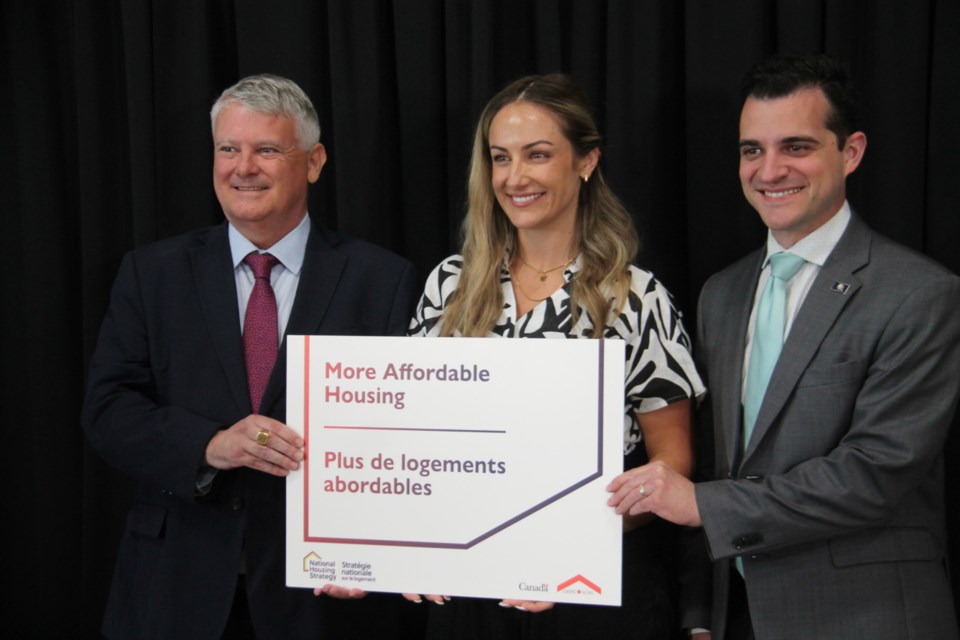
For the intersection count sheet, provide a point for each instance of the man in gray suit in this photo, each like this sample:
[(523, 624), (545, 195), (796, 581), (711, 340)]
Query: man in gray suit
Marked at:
[(825, 517)]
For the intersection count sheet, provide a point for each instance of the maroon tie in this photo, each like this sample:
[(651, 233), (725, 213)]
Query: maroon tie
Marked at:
[(260, 341)]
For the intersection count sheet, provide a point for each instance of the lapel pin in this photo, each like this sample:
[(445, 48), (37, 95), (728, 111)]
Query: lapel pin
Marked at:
[(840, 287)]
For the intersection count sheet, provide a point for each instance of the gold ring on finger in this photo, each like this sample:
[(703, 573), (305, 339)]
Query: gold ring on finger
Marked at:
[(262, 437)]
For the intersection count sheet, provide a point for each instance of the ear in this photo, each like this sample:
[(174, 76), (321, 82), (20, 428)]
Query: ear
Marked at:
[(588, 163), (316, 158), (853, 150)]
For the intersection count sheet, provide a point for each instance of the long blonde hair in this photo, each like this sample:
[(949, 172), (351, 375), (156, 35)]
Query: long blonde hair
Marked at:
[(606, 237)]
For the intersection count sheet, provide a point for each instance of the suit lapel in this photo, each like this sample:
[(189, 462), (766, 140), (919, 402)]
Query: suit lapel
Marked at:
[(728, 387), (319, 279), (217, 290), (817, 315)]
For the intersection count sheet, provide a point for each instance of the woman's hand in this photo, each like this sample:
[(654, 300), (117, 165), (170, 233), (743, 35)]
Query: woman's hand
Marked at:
[(529, 606), (417, 598), (343, 593)]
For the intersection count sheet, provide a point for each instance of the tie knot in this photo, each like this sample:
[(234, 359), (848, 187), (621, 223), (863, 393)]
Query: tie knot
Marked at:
[(785, 265), (261, 263)]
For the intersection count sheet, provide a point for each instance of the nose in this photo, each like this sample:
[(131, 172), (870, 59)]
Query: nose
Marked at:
[(246, 164), (772, 168), (517, 174)]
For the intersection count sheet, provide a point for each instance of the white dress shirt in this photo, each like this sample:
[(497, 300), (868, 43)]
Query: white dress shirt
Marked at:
[(284, 278), (814, 249)]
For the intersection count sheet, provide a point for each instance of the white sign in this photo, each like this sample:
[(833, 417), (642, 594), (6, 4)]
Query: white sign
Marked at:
[(456, 466)]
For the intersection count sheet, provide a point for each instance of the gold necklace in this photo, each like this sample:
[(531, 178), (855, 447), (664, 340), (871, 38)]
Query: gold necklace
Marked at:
[(527, 295), (543, 273)]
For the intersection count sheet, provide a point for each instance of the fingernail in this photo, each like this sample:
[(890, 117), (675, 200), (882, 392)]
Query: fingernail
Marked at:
[(438, 602), (520, 608), (504, 605)]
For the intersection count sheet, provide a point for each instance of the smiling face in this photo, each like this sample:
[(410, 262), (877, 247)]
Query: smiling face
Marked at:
[(261, 172), (791, 170), (535, 172)]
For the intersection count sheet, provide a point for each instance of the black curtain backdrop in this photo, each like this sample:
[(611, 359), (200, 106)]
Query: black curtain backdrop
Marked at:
[(109, 147)]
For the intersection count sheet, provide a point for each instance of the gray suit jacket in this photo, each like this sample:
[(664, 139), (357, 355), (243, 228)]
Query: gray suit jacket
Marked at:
[(836, 506)]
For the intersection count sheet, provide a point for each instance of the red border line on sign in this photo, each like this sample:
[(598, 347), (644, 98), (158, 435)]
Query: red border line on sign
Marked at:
[(306, 432)]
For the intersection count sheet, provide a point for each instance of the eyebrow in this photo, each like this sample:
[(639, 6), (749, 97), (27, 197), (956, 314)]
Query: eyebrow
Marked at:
[(254, 144), (526, 146), (789, 140)]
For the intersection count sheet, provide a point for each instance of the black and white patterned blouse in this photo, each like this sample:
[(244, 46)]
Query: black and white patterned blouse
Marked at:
[(659, 368)]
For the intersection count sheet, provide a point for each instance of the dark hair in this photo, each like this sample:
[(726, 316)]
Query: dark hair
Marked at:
[(785, 73)]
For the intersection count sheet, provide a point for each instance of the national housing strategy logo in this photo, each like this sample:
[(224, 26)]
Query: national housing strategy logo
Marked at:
[(318, 568), (328, 570)]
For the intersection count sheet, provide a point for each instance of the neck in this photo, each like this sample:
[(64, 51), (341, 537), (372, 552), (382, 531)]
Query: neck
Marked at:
[(546, 250), (267, 233)]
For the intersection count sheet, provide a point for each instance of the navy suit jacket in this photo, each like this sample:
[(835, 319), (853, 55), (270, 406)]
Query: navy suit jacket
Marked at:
[(836, 505), (167, 373)]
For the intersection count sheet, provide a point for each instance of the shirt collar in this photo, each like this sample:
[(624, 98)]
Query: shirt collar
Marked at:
[(817, 246), (290, 250)]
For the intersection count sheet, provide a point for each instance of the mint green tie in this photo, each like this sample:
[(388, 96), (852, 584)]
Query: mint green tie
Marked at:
[(767, 336), (767, 342)]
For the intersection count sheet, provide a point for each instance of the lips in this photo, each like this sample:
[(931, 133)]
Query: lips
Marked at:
[(525, 199), (782, 193)]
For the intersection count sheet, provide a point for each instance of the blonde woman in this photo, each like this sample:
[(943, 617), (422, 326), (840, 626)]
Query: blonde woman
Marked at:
[(547, 253)]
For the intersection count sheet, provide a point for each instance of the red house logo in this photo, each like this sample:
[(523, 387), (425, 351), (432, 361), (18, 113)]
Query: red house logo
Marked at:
[(568, 585)]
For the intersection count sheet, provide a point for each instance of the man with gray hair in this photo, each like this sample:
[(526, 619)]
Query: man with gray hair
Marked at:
[(187, 385)]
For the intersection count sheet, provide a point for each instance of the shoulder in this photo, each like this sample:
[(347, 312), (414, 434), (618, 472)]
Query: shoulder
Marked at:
[(910, 286), (643, 283), (733, 273), (440, 285), (443, 279), (885, 273), (172, 259), (449, 267), (650, 308), (898, 262), (738, 277), (445, 275), (360, 252), (170, 248)]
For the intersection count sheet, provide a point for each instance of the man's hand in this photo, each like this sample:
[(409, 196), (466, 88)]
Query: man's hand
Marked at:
[(280, 453), (658, 489)]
